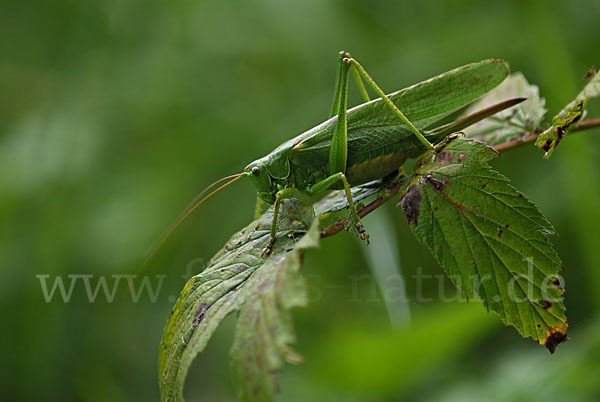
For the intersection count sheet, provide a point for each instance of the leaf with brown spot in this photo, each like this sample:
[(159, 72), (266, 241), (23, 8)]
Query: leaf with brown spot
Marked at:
[(491, 240), (261, 289), (567, 118), (411, 205), (561, 124)]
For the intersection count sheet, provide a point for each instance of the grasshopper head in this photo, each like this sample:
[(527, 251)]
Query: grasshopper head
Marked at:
[(261, 178)]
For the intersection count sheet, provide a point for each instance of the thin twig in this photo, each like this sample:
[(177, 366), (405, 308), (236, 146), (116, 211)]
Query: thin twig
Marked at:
[(583, 125)]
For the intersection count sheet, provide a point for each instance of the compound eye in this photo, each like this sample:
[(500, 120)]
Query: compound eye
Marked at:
[(255, 170)]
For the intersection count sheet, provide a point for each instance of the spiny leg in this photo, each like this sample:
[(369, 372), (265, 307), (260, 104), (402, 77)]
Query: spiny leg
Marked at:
[(359, 83), (336, 94), (361, 87), (288, 192), (328, 183), (338, 150), (273, 232), (363, 73)]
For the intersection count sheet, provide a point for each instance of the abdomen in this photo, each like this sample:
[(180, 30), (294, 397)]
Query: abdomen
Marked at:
[(373, 153)]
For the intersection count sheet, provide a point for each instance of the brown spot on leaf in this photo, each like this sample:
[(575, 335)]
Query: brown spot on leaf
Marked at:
[(199, 316), (411, 204), (500, 232), (483, 185), (461, 157), (560, 133), (446, 157), (557, 284), (555, 338), (590, 73), (545, 304), (547, 145), (570, 119)]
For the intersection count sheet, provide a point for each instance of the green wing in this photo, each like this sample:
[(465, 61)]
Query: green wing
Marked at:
[(423, 104)]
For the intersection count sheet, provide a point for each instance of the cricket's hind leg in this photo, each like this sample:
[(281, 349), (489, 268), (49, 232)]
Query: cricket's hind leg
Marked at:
[(362, 73), (338, 152), (359, 84), (273, 231)]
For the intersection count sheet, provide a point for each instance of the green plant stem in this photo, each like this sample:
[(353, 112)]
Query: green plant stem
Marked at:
[(391, 191)]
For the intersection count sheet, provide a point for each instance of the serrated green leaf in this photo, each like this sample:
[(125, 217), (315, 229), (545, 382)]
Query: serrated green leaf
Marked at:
[(263, 290), (264, 328), (491, 241), (513, 123), (567, 118)]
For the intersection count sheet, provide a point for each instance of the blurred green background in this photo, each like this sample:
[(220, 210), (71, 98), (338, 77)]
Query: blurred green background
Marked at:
[(114, 114)]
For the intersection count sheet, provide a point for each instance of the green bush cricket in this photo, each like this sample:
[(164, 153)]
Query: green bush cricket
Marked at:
[(367, 142)]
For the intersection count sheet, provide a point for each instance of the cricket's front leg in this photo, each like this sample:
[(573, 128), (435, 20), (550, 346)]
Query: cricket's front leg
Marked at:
[(273, 232), (289, 192)]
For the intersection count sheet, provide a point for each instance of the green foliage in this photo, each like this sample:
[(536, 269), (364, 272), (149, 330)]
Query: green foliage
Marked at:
[(114, 114), (262, 289), (490, 240)]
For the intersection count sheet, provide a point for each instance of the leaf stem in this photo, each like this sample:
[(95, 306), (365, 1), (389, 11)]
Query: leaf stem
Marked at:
[(518, 142)]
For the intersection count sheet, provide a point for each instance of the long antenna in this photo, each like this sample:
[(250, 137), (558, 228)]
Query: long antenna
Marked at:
[(187, 211)]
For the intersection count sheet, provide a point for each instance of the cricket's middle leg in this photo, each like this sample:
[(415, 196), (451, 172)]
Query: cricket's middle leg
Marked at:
[(328, 183)]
